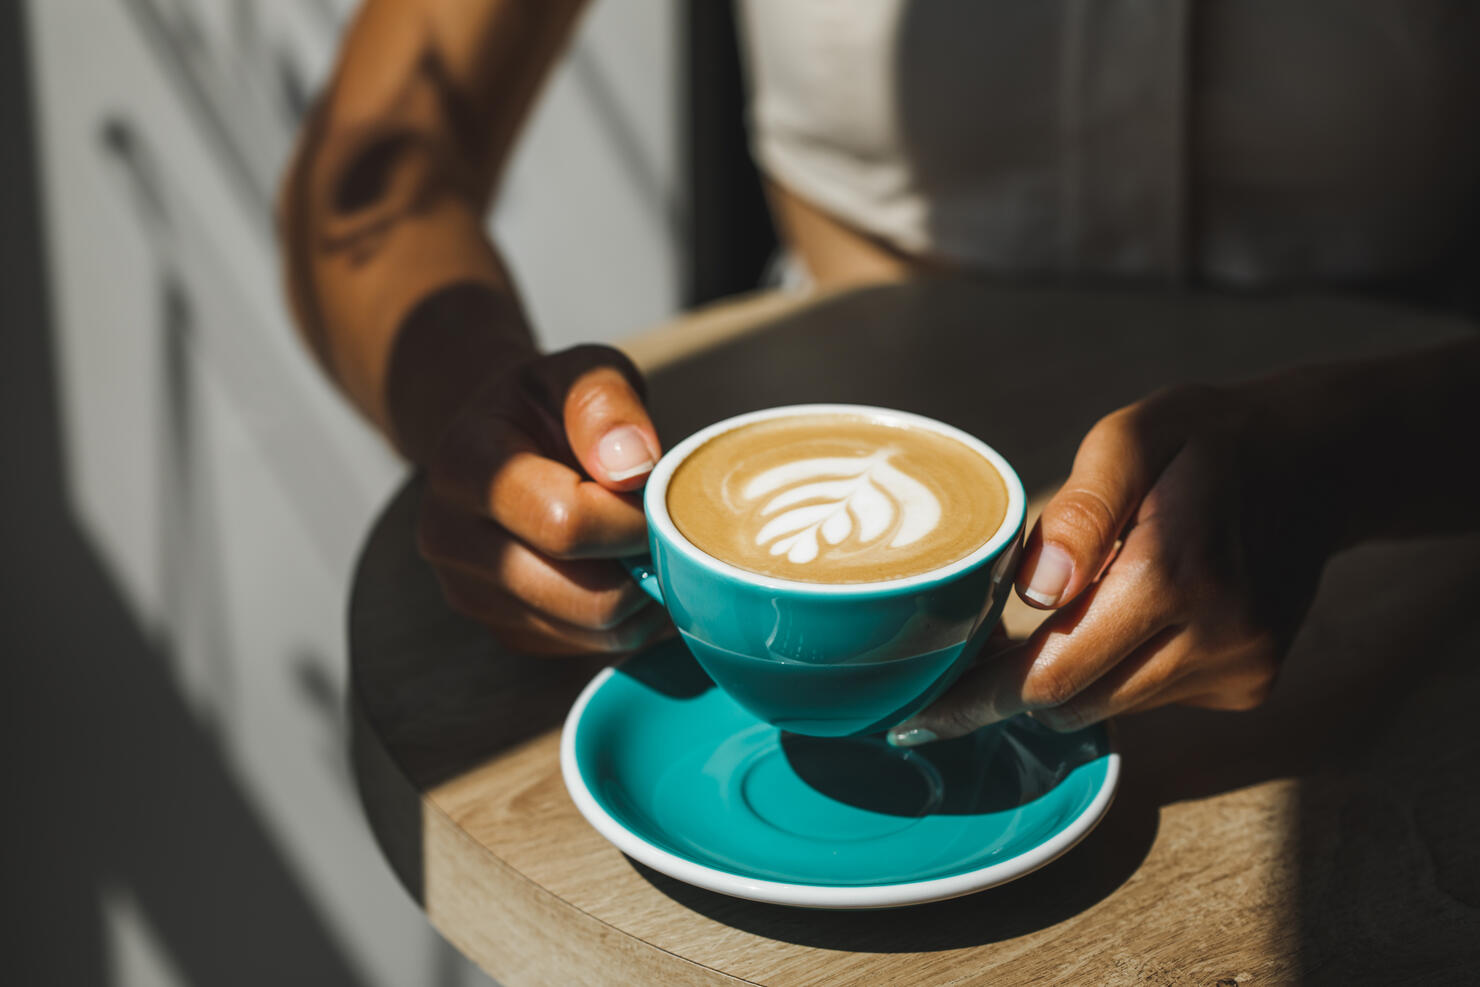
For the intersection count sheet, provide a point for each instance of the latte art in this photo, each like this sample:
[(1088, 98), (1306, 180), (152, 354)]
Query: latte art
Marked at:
[(874, 494), (836, 498)]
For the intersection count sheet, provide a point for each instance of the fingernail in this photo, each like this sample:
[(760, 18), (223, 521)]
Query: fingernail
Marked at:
[(1050, 576), (910, 736), (623, 453)]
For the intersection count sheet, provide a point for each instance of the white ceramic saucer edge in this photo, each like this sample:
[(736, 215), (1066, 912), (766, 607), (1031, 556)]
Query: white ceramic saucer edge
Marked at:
[(821, 896)]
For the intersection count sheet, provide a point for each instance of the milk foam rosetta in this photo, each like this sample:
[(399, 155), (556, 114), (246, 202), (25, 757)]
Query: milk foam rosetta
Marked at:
[(836, 498), (872, 496)]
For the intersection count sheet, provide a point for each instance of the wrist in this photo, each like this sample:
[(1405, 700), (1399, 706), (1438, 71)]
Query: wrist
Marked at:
[(447, 348)]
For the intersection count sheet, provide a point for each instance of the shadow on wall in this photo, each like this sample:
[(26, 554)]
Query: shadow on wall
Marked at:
[(115, 790)]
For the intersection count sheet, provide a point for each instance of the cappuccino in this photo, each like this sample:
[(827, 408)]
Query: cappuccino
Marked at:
[(836, 498)]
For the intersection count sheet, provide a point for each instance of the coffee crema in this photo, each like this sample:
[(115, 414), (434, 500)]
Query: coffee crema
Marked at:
[(836, 498)]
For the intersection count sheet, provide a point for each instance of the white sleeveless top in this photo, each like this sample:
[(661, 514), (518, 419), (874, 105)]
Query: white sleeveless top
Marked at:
[(1247, 142)]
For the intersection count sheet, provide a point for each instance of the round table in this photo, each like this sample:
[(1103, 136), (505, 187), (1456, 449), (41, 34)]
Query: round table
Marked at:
[(1328, 836)]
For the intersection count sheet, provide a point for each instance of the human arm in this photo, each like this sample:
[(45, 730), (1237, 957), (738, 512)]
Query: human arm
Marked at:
[(408, 307)]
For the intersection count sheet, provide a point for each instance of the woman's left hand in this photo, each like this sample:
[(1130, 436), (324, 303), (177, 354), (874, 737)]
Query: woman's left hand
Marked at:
[(1178, 560)]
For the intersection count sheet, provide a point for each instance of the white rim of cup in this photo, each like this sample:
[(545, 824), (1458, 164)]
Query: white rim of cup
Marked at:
[(656, 500)]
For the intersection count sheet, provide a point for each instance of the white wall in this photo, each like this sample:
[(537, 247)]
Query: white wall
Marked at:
[(225, 485), (592, 213)]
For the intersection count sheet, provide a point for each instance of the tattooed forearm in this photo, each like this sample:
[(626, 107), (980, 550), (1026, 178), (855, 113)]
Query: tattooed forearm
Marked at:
[(382, 208)]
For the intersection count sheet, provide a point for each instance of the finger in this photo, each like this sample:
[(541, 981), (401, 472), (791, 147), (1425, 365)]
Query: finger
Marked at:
[(1180, 693), (492, 466), (596, 390), (527, 630), (1152, 675), (1193, 691), (1066, 655), (1239, 678), (1192, 666), (591, 593), (1116, 465)]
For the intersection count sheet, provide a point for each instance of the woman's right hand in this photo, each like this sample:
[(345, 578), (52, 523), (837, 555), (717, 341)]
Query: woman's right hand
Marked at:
[(533, 494)]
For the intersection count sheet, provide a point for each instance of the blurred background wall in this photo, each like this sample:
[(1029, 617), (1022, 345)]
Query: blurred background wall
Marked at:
[(184, 494)]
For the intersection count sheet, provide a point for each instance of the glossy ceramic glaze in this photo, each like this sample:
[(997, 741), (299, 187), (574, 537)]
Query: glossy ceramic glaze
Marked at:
[(829, 660), (682, 778)]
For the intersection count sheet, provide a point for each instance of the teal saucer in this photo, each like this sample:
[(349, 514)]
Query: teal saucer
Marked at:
[(681, 778)]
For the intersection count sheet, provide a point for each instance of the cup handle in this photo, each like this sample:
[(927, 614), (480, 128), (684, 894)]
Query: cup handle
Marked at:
[(640, 568)]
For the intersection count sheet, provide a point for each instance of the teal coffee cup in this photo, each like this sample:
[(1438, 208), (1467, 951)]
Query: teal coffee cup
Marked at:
[(829, 659)]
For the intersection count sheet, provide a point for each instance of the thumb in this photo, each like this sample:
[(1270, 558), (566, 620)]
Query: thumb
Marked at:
[(606, 423), (1116, 465)]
